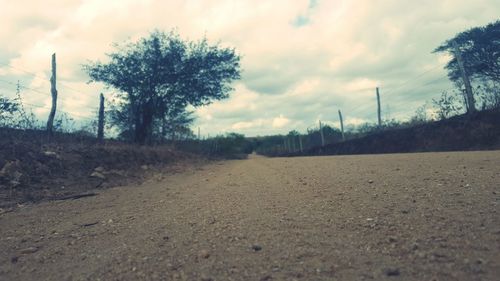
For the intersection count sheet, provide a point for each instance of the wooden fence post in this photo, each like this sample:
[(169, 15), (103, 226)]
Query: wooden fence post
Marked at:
[(53, 92), (341, 125), (100, 122), (379, 111), (321, 133)]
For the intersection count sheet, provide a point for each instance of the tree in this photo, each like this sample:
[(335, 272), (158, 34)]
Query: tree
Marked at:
[(161, 74), (479, 48)]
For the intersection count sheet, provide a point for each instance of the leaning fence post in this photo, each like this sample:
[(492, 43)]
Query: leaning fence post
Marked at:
[(341, 125), (379, 111), (53, 92), (321, 133)]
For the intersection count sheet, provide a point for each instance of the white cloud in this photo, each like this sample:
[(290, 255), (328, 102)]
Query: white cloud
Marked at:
[(247, 125), (280, 121)]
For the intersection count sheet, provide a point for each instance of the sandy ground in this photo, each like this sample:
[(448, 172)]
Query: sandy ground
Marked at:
[(432, 216)]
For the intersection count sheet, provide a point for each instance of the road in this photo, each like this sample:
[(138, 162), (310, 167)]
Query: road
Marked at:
[(429, 216)]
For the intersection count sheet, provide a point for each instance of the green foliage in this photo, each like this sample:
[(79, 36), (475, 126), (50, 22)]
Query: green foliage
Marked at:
[(421, 116), (175, 126), (64, 123), (447, 105), (231, 144), (13, 115), (480, 49), (160, 75), (8, 109), (488, 94), (291, 142)]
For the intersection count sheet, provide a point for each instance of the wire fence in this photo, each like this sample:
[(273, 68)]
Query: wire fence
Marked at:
[(328, 131), (38, 98), (17, 86)]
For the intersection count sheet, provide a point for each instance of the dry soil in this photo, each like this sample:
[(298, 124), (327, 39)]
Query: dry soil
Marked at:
[(430, 216)]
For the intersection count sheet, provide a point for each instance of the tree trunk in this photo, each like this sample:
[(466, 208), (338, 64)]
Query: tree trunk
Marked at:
[(143, 132), (138, 126)]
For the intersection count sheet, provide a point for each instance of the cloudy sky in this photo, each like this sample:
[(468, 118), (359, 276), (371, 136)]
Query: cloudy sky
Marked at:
[(302, 60)]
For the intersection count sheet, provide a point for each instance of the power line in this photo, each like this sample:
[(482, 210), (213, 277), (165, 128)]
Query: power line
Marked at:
[(40, 92), (59, 110), (423, 86), (412, 79), (25, 71), (62, 83), (434, 81)]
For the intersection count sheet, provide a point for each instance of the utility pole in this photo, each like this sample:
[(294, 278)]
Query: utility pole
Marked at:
[(341, 125), (469, 96), (53, 91), (100, 122), (199, 135), (321, 133), (379, 111)]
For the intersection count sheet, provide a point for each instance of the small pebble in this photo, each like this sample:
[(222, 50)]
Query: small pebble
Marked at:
[(266, 278), (392, 272), (204, 254), (392, 239), (29, 250), (256, 247)]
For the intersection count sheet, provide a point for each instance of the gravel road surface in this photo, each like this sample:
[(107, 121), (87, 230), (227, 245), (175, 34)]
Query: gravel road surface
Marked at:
[(429, 216)]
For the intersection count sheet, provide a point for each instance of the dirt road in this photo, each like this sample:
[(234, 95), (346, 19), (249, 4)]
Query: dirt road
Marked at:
[(433, 216)]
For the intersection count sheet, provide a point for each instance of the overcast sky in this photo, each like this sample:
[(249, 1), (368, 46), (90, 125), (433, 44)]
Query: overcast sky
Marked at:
[(302, 60)]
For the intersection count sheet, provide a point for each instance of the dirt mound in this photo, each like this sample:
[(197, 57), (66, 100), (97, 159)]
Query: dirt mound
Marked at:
[(33, 168)]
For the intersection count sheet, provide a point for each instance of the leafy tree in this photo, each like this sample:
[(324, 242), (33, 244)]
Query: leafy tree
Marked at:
[(161, 74), (480, 51)]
